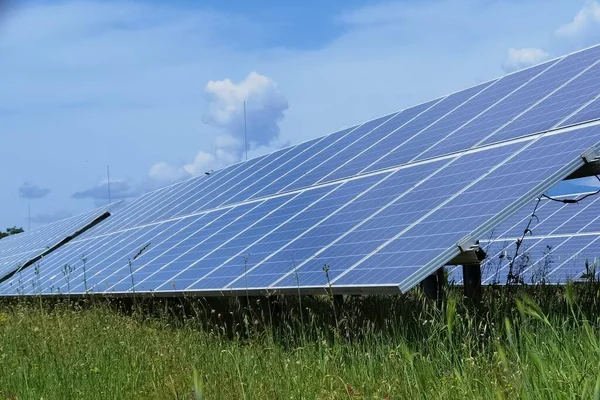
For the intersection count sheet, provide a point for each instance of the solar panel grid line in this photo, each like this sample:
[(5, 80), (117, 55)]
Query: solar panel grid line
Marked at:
[(413, 163), (259, 239), (271, 174), (440, 118), (291, 198), (103, 257), (141, 205), (532, 237), (565, 120), (563, 207), (434, 103), (169, 207), (449, 135), (341, 133), (546, 114), (264, 162), (447, 255), (49, 269), (500, 237), (71, 254), (452, 252), (257, 200), (364, 221), (491, 136), (483, 140), (147, 262), (176, 193), (560, 266), (194, 228), (29, 246), (309, 229), (294, 168), (185, 225), (531, 267), (231, 190), (339, 151)]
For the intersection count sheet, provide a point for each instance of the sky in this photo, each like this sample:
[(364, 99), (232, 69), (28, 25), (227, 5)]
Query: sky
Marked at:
[(155, 90)]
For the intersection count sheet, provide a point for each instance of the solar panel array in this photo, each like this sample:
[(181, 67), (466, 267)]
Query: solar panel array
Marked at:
[(563, 245), (17, 250), (378, 206)]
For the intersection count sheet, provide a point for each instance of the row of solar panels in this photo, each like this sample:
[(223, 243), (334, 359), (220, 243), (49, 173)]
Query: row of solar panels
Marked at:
[(378, 230), (16, 250), (380, 205), (555, 94), (563, 245)]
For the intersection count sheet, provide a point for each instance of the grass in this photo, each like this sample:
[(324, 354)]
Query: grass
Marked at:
[(541, 344)]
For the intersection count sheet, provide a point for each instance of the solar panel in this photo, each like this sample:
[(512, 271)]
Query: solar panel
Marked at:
[(17, 251), (378, 206), (563, 239)]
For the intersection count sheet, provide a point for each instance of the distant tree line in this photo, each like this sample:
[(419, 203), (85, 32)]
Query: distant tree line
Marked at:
[(10, 231)]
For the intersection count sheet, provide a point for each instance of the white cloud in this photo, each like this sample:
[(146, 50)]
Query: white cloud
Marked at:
[(586, 23), (265, 107), (521, 58)]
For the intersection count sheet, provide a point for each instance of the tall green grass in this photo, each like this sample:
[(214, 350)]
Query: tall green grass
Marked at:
[(542, 344)]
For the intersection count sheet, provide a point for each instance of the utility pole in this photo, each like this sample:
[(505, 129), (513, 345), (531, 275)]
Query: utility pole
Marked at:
[(29, 217)]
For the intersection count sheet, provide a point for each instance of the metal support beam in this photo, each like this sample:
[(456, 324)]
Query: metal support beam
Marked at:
[(589, 169), (429, 287), (472, 282), (433, 287)]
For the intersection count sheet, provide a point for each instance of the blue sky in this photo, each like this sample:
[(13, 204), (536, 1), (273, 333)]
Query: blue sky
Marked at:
[(153, 88)]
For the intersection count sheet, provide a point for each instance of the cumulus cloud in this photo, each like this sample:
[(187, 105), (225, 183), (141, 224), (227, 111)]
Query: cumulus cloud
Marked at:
[(265, 108), (29, 190), (585, 24), (119, 189), (521, 58), (582, 31)]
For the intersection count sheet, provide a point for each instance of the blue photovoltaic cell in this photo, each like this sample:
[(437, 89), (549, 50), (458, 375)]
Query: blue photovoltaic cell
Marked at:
[(555, 108), (273, 222), (590, 112), (303, 174), (318, 208), (235, 249), (362, 142), (371, 201), (416, 148), (510, 90), (271, 162), (388, 153), (245, 172), (301, 226), (120, 278), (507, 110), (287, 177), (452, 175), (404, 256), (294, 157), (161, 270), (65, 265), (17, 250), (346, 161)]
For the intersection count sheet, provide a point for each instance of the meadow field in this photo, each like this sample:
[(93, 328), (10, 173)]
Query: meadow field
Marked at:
[(533, 343)]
